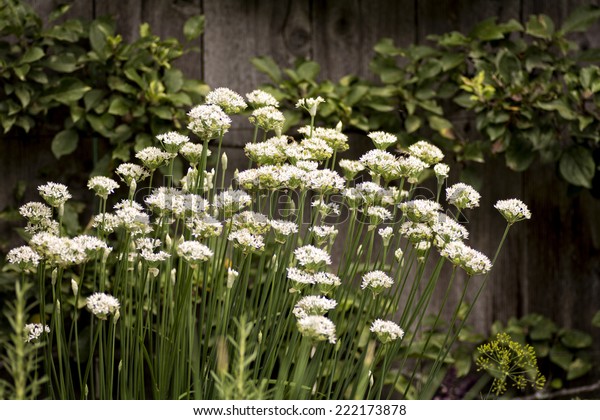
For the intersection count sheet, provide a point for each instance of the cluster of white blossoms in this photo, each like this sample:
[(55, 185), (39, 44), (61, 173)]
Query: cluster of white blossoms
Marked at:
[(194, 252), (102, 305), (462, 196), (172, 141), (192, 152), (54, 193), (268, 118), (313, 305), (513, 210), (382, 140), (65, 252), (317, 328), (376, 281), (386, 331), (208, 121), (351, 168), (24, 257), (153, 157), (310, 104), (312, 258), (247, 241), (470, 260), (35, 331), (426, 151), (259, 98), (421, 210), (334, 139), (102, 186), (130, 172), (228, 100)]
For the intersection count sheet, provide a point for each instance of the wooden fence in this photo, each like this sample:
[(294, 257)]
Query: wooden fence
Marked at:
[(550, 265)]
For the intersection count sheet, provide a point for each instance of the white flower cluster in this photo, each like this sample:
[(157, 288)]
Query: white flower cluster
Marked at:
[(173, 141), (193, 153), (129, 172), (153, 158), (203, 227), (102, 305), (230, 101), (259, 98), (194, 252), (313, 305), (268, 118), (311, 258), (208, 121), (102, 186), (269, 152), (382, 140), (247, 241), (387, 331), (310, 104), (54, 193), (376, 281), (35, 331), (426, 152), (421, 210), (317, 328), (470, 260), (24, 257), (333, 138), (513, 210), (462, 196)]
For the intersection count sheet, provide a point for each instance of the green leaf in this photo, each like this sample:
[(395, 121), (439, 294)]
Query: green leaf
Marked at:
[(356, 94), (308, 70), (386, 46), (487, 30), (193, 27), (540, 26), (268, 66), (451, 60), (173, 80), (99, 31), (577, 166), (576, 339), (59, 11), (596, 320), (412, 123), (120, 85), (581, 19), (560, 356), (101, 124), (23, 94), (62, 63), (508, 65), (64, 143), (560, 106), (578, 368), (119, 106), (543, 330), (439, 123), (31, 55), (92, 98), (69, 90), (390, 75), (519, 155)]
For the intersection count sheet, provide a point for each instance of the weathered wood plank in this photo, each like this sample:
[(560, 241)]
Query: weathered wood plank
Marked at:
[(126, 13), (79, 8)]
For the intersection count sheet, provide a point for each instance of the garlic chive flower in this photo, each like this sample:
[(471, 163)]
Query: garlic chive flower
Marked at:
[(153, 158), (378, 214), (35, 331), (54, 193), (194, 252), (202, 227), (311, 257), (324, 181), (24, 257), (230, 101), (310, 104), (102, 186), (256, 223), (299, 279), (259, 98), (448, 230), (332, 137), (326, 282), (513, 210), (232, 201), (208, 121), (268, 118), (316, 149), (386, 235), (470, 260), (416, 232), (317, 328), (129, 172), (35, 211), (426, 151), (313, 305), (376, 281), (172, 141), (247, 241), (382, 140), (386, 331), (351, 168), (102, 305), (193, 153), (283, 230), (410, 168), (421, 210), (462, 196), (441, 171)]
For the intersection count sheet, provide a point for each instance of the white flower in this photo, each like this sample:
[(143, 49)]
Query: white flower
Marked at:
[(416, 232), (310, 104), (462, 196), (208, 121), (131, 172), (194, 252), (58, 251), (369, 192), (24, 257), (258, 98), (351, 168), (382, 140), (193, 152), (421, 210), (256, 223), (299, 278), (270, 152), (103, 186), (232, 275), (311, 257), (34, 331), (172, 141), (441, 171), (283, 229), (54, 193), (513, 210), (307, 165), (131, 217), (247, 241), (426, 151), (447, 230), (399, 255), (316, 149), (326, 209), (332, 137), (324, 232), (317, 328), (230, 101), (102, 305), (378, 214), (470, 260), (106, 222), (381, 163), (153, 158), (203, 227), (154, 258), (376, 281), (410, 168), (313, 305), (268, 118), (35, 211), (90, 245), (326, 282), (386, 234), (231, 201), (324, 181), (386, 331)]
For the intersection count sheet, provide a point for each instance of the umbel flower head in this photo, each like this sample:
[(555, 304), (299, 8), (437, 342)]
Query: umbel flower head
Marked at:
[(462, 196), (129, 172), (386, 331), (193, 153), (102, 186), (376, 281), (382, 140), (310, 104), (313, 305), (513, 210), (230, 101), (268, 118), (426, 151), (35, 331), (102, 305), (54, 193), (172, 141), (317, 328), (259, 98), (470, 260), (194, 252), (153, 158), (311, 257), (24, 257), (208, 121)]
